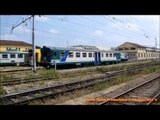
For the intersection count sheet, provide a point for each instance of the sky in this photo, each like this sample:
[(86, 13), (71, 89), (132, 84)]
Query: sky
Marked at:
[(95, 30)]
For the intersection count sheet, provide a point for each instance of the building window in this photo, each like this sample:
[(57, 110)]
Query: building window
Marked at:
[(8, 48), (106, 54), (26, 49), (4, 56), (20, 55), (17, 49), (120, 49), (71, 54), (133, 48), (126, 48), (138, 55), (12, 56), (78, 55), (90, 54), (84, 54)]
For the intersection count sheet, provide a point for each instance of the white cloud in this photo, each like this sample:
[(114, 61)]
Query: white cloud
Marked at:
[(8, 37), (98, 33), (53, 31), (41, 18)]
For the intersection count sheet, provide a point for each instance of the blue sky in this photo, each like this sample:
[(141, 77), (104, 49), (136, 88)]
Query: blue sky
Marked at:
[(98, 30)]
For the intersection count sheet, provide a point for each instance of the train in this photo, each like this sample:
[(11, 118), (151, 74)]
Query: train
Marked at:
[(73, 56), (14, 58), (60, 56)]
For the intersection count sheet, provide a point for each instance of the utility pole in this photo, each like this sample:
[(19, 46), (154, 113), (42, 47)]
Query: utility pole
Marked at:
[(33, 41), (33, 45)]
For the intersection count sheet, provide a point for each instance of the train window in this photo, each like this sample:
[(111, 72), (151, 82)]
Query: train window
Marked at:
[(102, 54), (4, 56), (110, 54), (71, 54), (78, 55), (106, 54), (90, 54), (12, 56), (84, 54), (20, 55), (63, 54), (114, 55)]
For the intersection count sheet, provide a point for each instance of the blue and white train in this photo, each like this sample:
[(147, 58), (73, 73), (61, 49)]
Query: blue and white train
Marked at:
[(74, 56)]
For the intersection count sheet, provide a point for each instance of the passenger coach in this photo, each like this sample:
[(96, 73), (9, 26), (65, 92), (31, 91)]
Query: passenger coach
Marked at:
[(73, 56)]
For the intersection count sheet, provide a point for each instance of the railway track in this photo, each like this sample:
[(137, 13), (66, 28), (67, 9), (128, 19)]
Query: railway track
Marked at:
[(28, 69), (18, 70), (42, 93), (148, 90), (156, 96), (35, 79)]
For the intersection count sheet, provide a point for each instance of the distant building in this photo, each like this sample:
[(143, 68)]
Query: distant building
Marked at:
[(138, 52), (13, 45)]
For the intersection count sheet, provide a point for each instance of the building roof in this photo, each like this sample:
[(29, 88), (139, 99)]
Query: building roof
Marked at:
[(137, 45), (13, 42)]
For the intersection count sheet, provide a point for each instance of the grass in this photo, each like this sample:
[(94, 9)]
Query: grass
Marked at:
[(151, 70), (49, 73), (59, 75), (124, 77), (117, 80), (1, 89)]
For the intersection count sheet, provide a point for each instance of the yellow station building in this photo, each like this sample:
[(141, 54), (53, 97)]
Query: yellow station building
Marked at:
[(13, 45)]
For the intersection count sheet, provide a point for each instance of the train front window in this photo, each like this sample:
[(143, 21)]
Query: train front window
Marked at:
[(54, 54), (13, 56), (4, 56)]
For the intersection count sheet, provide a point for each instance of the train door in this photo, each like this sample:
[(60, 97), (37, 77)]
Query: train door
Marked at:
[(97, 58)]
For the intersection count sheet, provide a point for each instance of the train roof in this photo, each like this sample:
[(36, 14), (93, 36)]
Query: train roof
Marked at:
[(78, 49), (12, 52)]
